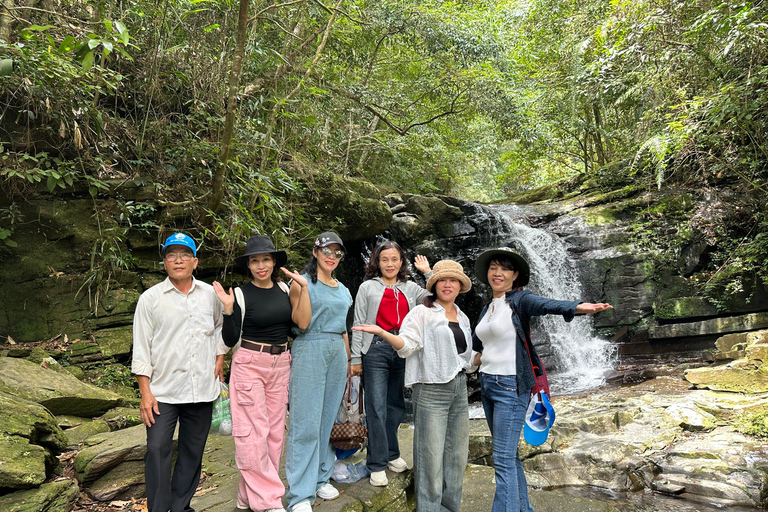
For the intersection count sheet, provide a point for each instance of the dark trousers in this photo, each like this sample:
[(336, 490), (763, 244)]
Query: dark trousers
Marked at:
[(175, 494), (383, 377)]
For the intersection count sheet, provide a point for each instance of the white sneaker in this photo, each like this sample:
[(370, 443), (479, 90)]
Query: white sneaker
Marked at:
[(242, 507), (281, 509), (303, 506), (327, 492), (398, 465), (379, 478)]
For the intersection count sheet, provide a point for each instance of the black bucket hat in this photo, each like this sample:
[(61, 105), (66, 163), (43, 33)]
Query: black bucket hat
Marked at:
[(484, 261), (328, 238), (260, 244)]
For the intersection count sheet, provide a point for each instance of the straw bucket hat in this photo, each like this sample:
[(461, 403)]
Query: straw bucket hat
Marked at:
[(449, 268)]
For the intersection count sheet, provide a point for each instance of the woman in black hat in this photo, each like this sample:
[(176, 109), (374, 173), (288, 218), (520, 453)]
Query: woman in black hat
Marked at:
[(510, 369), (257, 319)]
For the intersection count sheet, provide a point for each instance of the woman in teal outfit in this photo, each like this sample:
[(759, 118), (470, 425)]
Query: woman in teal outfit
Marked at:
[(320, 366)]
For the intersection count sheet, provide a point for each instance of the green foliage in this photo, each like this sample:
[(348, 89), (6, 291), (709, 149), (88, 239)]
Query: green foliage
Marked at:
[(753, 424)]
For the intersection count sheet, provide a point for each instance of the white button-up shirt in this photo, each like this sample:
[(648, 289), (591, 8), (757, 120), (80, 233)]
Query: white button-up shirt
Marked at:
[(174, 342), (430, 350)]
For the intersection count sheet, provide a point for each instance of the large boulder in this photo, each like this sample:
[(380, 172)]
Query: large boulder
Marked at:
[(747, 374), (105, 452), (60, 393), (29, 440), (52, 497)]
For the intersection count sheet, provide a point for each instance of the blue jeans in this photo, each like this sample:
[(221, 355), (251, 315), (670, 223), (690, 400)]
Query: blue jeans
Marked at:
[(383, 378), (440, 444), (318, 379), (505, 413)]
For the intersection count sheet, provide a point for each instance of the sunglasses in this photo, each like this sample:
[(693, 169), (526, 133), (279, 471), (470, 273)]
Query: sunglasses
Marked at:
[(327, 252)]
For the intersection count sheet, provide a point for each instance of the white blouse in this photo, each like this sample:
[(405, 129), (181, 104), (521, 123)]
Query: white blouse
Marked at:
[(430, 350)]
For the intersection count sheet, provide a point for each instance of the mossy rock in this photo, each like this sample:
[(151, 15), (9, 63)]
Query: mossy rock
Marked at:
[(117, 341), (352, 206), (684, 308), (51, 497), (122, 417), (126, 481), (29, 440), (60, 392), (77, 435), (75, 371), (38, 355)]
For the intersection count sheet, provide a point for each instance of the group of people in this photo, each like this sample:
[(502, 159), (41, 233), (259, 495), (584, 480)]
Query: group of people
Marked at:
[(403, 335)]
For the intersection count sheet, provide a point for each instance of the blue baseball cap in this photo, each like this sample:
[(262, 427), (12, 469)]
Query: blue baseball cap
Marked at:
[(539, 418), (180, 239)]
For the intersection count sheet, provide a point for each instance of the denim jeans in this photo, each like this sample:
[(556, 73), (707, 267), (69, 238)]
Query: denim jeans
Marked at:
[(258, 399), (318, 379), (383, 378), (440, 444), (505, 413)]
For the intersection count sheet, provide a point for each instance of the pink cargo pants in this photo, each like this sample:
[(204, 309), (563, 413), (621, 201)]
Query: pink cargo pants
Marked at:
[(258, 400)]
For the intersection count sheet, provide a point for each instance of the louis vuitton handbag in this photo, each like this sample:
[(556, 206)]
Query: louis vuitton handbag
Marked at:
[(349, 431)]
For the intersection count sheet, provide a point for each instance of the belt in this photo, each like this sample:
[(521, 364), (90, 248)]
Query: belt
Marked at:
[(261, 347), (378, 340)]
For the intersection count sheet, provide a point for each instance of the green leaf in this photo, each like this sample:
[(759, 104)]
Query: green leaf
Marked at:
[(51, 183), (66, 45), (38, 28), (10, 243), (93, 43), (87, 61)]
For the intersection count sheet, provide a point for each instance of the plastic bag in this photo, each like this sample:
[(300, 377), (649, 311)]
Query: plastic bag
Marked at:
[(350, 469), (221, 421)]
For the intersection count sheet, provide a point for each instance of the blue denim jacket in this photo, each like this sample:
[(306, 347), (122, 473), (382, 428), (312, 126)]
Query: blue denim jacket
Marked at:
[(525, 304)]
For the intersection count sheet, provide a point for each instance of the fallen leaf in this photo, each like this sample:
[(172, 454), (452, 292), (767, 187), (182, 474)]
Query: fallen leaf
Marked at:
[(10, 341)]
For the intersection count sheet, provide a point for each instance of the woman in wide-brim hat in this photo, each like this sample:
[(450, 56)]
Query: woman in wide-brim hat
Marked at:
[(435, 340), (258, 317), (510, 369)]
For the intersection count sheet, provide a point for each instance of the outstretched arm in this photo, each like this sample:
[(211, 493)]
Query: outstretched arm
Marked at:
[(589, 308), (396, 341)]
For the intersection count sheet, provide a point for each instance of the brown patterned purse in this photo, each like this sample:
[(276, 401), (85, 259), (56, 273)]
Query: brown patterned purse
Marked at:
[(347, 435)]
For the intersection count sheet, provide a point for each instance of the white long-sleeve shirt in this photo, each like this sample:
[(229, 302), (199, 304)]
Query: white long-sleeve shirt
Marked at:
[(430, 350), (174, 342)]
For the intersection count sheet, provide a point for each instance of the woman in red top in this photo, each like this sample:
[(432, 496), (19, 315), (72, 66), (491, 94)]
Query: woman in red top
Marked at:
[(384, 299)]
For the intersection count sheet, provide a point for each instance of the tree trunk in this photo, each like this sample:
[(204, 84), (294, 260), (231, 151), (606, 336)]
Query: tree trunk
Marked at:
[(599, 150), (220, 173), (6, 20)]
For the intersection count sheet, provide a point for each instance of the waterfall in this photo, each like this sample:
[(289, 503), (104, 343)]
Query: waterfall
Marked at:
[(577, 359)]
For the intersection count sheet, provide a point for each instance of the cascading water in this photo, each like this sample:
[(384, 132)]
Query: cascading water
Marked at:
[(577, 358)]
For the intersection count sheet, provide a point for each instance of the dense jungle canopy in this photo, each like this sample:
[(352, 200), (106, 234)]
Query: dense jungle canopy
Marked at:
[(236, 111)]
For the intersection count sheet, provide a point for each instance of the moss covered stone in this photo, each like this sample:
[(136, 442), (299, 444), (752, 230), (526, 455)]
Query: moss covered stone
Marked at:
[(29, 440), (684, 308), (80, 433), (116, 341), (60, 392), (51, 497)]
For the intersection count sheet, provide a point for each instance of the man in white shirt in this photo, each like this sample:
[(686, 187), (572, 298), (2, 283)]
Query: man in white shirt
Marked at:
[(176, 326)]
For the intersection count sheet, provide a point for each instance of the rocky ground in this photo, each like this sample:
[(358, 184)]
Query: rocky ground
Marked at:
[(667, 438)]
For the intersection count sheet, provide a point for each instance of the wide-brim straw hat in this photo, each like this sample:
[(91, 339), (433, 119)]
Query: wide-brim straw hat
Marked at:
[(449, 268), (260, 244), (484, 261)]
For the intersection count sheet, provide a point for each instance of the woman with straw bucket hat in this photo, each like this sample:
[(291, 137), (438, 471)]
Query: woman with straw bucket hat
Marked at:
[(435, 340)]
